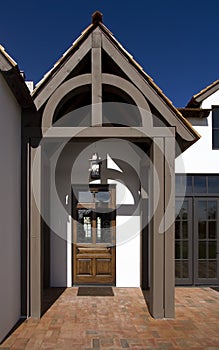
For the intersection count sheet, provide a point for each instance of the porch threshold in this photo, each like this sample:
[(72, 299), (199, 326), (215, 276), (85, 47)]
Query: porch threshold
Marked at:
[(95, 291)]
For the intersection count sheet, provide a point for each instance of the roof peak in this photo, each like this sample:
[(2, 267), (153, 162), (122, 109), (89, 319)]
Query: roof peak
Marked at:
[(97, 17)]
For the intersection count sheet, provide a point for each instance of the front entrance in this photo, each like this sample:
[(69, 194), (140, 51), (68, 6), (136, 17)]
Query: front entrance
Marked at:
[(94, 234), (197, 241)]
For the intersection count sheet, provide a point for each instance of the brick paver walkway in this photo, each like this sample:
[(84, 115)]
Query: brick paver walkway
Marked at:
[(122, 322)]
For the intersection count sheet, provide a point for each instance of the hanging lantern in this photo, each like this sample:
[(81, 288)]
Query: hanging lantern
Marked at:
[(95, 164)]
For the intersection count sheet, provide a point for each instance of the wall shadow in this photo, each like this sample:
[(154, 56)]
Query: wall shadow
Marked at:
[(49, 296)]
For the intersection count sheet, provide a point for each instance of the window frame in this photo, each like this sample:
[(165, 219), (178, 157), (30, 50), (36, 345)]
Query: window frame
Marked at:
[(192, 192), (214, 147)]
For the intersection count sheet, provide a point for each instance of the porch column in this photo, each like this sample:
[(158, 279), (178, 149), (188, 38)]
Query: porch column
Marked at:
[(162, 278), (169, 229), (35, 229), (156, 238)]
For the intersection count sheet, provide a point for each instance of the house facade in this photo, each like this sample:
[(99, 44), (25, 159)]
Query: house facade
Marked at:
[(14, 98), (197, 187), (99, 145)]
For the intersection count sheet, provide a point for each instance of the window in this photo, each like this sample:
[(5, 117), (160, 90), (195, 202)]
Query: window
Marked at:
[(200, 184), (215, 127), (197, 185)]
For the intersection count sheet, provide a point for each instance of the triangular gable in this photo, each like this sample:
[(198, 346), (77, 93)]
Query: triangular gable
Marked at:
[(198, 98), (61, 70)]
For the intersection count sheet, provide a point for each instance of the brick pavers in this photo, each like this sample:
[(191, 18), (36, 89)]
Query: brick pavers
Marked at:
[(122, 322)]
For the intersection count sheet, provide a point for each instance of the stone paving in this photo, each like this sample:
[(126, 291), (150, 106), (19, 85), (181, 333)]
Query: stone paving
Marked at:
[(121, 322)]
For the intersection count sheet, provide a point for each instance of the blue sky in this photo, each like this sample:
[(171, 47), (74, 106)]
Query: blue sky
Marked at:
[(176, 42)]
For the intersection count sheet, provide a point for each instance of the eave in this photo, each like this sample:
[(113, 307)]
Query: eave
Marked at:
[(198, 98), (14, 79), (194, 112)]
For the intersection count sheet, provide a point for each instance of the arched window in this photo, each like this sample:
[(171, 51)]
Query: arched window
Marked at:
[(119, 109), (74, 109)]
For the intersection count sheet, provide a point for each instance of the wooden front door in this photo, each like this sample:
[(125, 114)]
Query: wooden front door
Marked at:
[(94, 235)]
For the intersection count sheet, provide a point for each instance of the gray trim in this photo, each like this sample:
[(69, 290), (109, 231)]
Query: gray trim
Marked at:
[(35, 233), (58, 95), (96, 71), (61, 75), (147, 90), (136, 95), (207, 93), (25, 229), (157, 239), (96, 79), (169, 229), (162, 277), (144, 226), (93, 132)]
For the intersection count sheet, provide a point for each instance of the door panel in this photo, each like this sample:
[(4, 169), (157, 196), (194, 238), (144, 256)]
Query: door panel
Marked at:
[(84, 267), (103, 266), (197, 241), (183, 241), (206, 237), (94, 236)]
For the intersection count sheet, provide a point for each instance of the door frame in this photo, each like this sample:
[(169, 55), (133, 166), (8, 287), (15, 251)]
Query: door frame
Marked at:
[(94, 188), (193, 242), (189, 280), (196, 279)]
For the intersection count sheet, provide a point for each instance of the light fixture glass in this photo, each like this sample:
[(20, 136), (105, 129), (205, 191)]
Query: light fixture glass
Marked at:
[(95, 164)]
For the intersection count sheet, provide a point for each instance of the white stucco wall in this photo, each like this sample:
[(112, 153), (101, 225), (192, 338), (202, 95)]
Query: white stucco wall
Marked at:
[(200, 158), (10, 157), (128, 252), (127, 241)]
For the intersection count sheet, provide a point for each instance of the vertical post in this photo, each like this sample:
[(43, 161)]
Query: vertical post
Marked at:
[(169, 230), (24, 228), (157, 238), (144, 226), (96, 79), (35, 230)]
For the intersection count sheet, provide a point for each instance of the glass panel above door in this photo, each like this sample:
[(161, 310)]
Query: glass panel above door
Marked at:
[(102, 196), (85, 197)]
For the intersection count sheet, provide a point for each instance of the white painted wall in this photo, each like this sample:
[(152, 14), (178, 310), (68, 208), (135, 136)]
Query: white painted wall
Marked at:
[(10, 160), (127, 241), (127, 227), (200, 158), (128, 251)]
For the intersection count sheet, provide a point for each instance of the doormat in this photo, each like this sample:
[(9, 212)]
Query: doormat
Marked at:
[(95, 292)]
